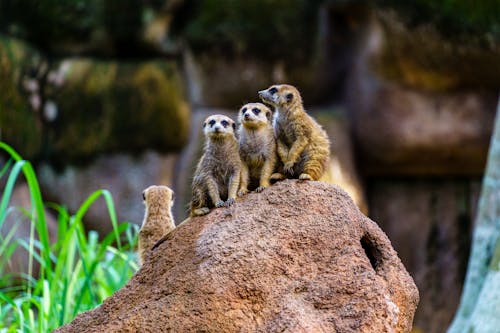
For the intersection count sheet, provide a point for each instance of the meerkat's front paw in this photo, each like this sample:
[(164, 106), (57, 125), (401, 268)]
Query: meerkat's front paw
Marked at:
[(288, 168), (229, 202), (242, 192), (305, 176), (277, 176), (260, 189), (219, 204), (201, 211)]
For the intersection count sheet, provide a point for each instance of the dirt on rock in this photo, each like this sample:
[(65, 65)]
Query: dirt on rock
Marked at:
[(299, 257)]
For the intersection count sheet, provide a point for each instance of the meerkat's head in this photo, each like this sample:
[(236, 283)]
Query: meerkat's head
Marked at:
[(219, 126), (282, 96), (158, 197), (254, 115)]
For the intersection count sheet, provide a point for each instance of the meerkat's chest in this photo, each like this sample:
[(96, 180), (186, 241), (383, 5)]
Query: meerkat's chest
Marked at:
[(222, 164), (285, 131), (254, 150)]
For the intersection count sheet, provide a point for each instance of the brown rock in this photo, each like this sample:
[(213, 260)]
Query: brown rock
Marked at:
[(299, 257), (400, 131), (414, 129), (429, 223)]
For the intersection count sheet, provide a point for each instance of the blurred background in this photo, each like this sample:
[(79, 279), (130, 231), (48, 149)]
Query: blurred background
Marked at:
[(111, 94)]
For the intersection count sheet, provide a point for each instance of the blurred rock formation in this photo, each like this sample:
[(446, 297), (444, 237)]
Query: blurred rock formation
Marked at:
[(103, 82)]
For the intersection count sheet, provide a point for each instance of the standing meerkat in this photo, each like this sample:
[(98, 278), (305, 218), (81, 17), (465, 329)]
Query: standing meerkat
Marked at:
[(257, 147), (303, 146), (217, 176), (158, 220)]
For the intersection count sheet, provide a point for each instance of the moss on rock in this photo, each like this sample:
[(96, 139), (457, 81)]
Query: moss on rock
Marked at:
[(112, 106), (454, 19), (423, 57), (264, 29), (18, 122)]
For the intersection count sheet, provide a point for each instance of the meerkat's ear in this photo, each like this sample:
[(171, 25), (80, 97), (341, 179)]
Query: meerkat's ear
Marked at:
[(204, 124), (269, 115), (234, 125), (144, 195), (289, 97)]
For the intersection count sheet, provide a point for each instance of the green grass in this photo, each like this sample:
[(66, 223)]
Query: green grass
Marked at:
[(77, 271)]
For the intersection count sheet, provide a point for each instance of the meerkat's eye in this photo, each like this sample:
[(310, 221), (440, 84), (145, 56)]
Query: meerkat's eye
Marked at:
[(212, 122), (243, 110), (225, 123), (273, 91), (256, 111), (289, 97)]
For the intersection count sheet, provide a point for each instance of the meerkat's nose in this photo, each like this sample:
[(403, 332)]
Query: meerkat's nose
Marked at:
[(262, 93), (247, 116)]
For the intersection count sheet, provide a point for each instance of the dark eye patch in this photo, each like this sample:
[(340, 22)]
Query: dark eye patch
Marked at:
[(243, 110), (211, 122), (273, 91), (225, 123), (256, 111)]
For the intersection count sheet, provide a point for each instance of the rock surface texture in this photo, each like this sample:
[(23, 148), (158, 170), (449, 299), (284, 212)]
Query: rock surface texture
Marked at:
[(299, 257)]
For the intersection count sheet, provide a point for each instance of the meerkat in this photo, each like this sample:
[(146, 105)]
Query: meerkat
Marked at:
[(302, 144), (257, 147), (158, 220), (217, 176)]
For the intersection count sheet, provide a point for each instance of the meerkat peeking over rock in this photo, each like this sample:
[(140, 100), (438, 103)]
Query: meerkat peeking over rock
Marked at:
[(158, 220), (217, 175), (257, 147), (303, 146)]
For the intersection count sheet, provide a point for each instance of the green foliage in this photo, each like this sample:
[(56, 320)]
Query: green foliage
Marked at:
[(453, 17), (44, 21), (77, 271), (264, 29)]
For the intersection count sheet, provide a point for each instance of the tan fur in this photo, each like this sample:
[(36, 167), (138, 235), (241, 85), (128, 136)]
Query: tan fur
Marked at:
[(217, 176), (303, 146), (158, 220), (257, 147)]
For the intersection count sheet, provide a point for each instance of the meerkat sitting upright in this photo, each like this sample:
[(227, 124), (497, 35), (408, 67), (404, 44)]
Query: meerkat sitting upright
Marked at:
[(302, 144), (257, 147), (158, 220), (217, 175)]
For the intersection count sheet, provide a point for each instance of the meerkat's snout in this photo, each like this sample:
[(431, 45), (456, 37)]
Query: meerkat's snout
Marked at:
[(269, 95)]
